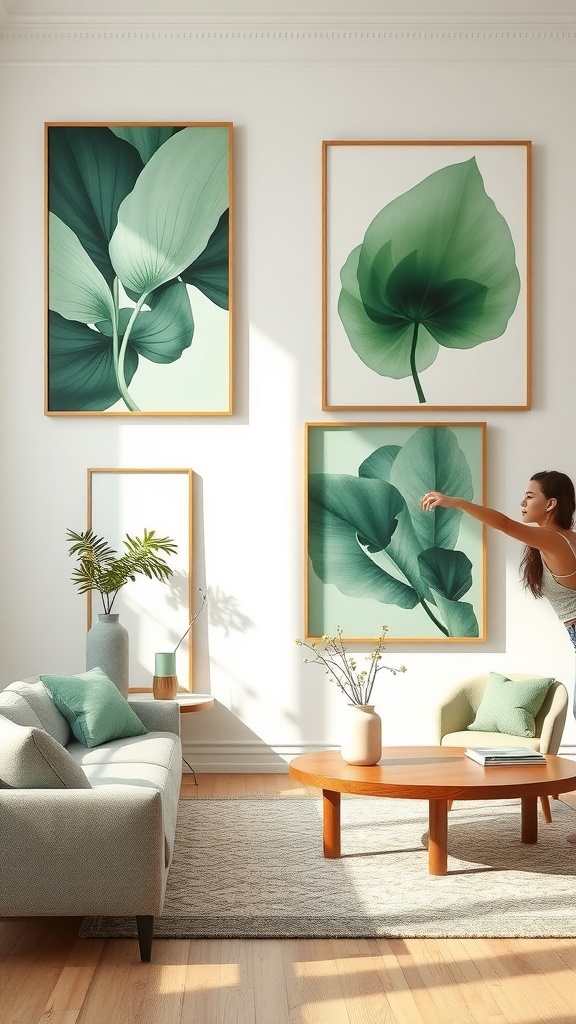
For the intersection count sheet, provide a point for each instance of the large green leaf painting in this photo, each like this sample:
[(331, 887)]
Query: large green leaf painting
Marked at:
[(137, 214), (437, 267), (369, 537)]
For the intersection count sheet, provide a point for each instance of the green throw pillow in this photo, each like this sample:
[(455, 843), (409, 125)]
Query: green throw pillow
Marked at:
[(510, 706), (94, 707)]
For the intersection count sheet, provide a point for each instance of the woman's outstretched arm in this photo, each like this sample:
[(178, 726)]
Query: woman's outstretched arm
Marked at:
[(534, 536)]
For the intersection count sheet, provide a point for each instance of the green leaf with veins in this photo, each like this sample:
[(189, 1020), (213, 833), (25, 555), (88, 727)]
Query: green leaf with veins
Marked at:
[(91, 172), (167, 220), (145, 139), (437, 266), (77, 289), (210, 272), (162, 333), (81, 374)]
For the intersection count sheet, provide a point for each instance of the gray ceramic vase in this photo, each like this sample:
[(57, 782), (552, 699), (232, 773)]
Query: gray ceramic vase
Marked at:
[(107, 648)]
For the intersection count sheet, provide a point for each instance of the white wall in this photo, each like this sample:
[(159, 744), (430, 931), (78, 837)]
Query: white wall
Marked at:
[(284, 96)]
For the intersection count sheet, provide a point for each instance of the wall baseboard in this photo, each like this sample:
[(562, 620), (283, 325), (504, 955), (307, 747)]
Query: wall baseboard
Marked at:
[(254, 758)]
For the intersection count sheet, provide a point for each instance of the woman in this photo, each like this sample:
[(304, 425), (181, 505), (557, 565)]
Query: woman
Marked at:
[(548, 565)]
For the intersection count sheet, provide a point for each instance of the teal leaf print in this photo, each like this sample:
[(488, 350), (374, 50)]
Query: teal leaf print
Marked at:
[(369, 537), (136, 215), (436, 267)]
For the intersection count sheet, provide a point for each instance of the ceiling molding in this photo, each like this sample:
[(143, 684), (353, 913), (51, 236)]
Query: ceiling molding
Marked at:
[(161, 20), (245, 41)]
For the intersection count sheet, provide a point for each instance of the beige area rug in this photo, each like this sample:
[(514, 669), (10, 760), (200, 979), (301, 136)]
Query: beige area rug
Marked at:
[(253, 868)]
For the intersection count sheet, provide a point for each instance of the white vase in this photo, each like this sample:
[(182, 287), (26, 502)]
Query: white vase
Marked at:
[(107, 648), (361, 735)]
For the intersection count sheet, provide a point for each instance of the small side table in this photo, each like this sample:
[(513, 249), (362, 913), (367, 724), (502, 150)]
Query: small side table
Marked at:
[(187, 702)]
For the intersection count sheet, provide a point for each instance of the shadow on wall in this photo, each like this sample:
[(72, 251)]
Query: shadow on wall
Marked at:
[(241, 749), (224, 613)]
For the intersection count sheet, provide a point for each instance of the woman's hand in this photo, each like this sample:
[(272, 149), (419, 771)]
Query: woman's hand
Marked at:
[(435, 499)]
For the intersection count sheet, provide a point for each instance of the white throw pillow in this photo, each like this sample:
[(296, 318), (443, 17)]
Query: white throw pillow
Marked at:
[(32, 759)]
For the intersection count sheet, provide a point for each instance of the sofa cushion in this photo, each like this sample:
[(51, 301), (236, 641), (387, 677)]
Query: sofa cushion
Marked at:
[(153, 760), (509, 706), (17, 710), (489, 739), (32, 759), (34, 693), (94, 707)]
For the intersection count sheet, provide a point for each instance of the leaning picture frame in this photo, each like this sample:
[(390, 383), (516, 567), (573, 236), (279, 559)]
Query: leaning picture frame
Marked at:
[(426, 275), (155, 614), (139, 269), (373, 556)]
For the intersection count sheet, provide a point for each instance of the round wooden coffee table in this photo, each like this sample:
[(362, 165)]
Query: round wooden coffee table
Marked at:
[(437, 774)]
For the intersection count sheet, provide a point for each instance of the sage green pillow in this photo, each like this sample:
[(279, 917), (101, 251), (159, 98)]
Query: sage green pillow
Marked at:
[(94, 707), (510, 705)]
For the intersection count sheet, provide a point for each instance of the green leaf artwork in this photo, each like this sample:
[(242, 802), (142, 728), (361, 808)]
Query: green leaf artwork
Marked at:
[(436, 267), (370, 539), (138, 234)]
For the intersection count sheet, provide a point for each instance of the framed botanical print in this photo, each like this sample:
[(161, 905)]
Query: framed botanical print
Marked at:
[(374, 557), (138, 269), (426, 275), (156, 614)]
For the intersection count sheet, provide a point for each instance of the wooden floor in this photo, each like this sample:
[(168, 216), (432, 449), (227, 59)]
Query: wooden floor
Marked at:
[(49, 976)]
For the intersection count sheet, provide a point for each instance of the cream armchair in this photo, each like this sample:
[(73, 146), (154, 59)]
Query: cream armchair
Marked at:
[(459, 708)]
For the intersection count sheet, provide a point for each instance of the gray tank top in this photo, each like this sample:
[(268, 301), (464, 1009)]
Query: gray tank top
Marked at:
[(562, 599)]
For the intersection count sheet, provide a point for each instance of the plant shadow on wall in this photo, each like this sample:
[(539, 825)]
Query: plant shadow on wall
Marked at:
[(224, 613), (369, 537), (437, 266), (136, 215)]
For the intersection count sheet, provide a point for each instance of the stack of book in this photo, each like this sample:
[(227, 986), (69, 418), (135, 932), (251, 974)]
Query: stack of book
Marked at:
[(505, 755)]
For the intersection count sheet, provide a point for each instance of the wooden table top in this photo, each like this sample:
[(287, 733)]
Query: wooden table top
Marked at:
[(428, 773), (186, 699)]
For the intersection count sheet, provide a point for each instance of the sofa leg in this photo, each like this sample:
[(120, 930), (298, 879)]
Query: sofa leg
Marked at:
[(145, 925)]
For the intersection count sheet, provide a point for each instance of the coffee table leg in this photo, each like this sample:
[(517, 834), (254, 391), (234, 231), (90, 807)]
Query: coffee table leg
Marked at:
[(529, 819), (331, 822), (438, 837)]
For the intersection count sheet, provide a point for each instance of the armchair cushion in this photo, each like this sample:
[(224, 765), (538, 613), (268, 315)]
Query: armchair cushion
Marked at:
[(32, 759), (94, 707), (509, 706)]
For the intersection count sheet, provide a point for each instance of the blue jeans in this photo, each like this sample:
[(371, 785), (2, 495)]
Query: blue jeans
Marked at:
[(572, 634)]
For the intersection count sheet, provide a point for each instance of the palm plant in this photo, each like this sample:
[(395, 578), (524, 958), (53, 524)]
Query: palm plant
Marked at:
[(101, 568)]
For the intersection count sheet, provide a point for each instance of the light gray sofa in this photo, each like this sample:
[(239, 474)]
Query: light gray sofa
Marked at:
[(85, 831)]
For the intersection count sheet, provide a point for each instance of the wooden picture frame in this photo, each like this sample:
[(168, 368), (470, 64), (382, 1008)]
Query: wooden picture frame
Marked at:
[(426, 275), (373, 557), (156, 615), (139, 258)]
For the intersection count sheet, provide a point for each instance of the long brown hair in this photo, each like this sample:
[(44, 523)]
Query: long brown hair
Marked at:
[(553, 485)]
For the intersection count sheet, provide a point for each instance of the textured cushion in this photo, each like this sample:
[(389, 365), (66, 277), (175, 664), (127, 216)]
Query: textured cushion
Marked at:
[(32, 759), (94, 707), (43, 706), (14, 707), (510, 706)]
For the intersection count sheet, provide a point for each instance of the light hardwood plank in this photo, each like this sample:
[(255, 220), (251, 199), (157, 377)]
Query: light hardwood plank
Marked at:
[(438, 982), (357, 962), (67, 997), (270, 991), (314, 986), (469, 979)]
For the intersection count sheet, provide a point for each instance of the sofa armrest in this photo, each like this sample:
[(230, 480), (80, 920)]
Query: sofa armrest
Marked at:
[(553, 724), (158, 715), (87, 851), (454, 715)]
